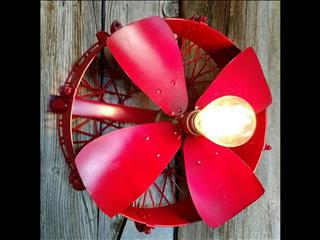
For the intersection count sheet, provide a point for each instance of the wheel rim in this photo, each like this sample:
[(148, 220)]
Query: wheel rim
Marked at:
[(167, 202)]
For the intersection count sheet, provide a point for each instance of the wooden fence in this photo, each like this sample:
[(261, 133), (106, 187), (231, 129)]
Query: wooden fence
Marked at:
[(67, 29)]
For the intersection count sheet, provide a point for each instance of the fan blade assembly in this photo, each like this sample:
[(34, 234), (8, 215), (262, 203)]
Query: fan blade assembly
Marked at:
[(208, 181), (220, 183), (242, 77), (114, 112), (251, 151), (118, 167), (148, 52)]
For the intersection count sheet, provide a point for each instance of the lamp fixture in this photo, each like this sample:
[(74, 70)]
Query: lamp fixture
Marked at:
[(194, 157), (229, 121)]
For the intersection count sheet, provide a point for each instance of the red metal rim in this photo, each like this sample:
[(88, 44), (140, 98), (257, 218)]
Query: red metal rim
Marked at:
[(181, 211)]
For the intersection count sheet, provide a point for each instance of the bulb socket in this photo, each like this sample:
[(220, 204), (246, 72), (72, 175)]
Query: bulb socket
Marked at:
[(186, 123)]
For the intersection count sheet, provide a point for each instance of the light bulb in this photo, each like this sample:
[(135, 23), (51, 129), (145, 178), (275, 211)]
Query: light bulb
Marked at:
[(229, 121)]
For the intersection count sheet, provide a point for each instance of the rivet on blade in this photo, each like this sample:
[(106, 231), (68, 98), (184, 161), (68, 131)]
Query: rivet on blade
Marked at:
[(216, 153), (198, 162), (179, 110), (147, 138), (172, 83), (158, 91), (158, 155)]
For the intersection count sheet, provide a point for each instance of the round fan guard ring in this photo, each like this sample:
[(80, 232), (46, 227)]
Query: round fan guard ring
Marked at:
[(203, 36)]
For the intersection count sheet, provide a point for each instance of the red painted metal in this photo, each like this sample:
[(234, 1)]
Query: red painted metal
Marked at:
[(114, 112), (68, 91), (251, 151), (143, 227), (219, 47), (179, 214), (242, 77), (115, 26), (148, 53), (57, 104), (186, 123), (267, 147), (220, 183), (118, 167)]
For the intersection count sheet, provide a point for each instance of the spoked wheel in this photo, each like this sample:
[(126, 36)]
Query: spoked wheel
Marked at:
[(96, 81)]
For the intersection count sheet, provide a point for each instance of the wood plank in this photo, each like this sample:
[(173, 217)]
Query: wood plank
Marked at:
[(158, 233), (257, 24), (126, 12), (64, 36), (67, 29)]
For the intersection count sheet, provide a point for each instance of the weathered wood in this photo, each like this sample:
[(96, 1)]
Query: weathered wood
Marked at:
[(256, 24), (67, 29), (130, 233)]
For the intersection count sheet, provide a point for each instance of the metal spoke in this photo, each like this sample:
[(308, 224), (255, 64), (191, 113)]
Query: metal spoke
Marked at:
[(175, 184), (179, 177), (90, 94), (82, 132), (159, 190), (81, 141), (150, 194), (77, 127), (162, 191), (95, 80), (87, 85)]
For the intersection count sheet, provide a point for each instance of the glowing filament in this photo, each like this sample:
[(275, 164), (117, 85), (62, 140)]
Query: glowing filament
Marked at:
[(229, 121)]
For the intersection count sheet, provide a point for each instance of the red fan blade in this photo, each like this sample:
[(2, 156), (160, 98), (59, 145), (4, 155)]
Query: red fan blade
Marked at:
[(251, 151), (242, 77), (148, 53), (114, 112), (176, 214), (220, 183), (118, 167)]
